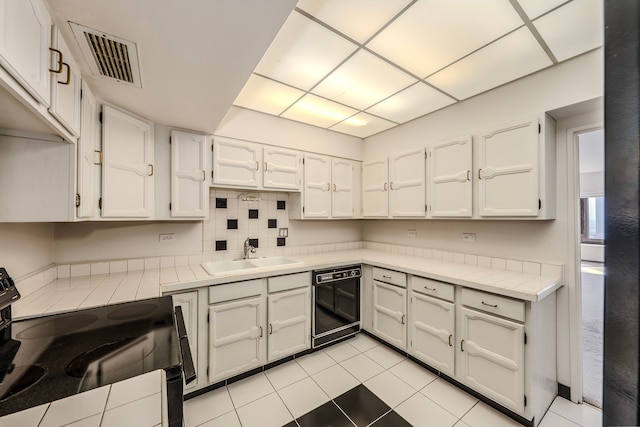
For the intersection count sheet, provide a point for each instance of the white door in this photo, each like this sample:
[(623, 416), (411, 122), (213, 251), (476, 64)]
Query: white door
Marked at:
[(189, 189), (407, 184), (236, 163), (282, 168), (375, 196), (188, 301), (450, 179), (342, 188), (317, 186), (431, 327), (65, 86), (89, 156), (289, 323), (25, 36), (492, 357), (508, 170), (390, 313), (236, 334), (127, 170)]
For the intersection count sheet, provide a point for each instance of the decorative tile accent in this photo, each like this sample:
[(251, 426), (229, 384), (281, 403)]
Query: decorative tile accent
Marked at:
[(282, 205), (272, 223), (281, 241), (221, 245), (232, 224), (253, 213), (221, 203), (254, 243)]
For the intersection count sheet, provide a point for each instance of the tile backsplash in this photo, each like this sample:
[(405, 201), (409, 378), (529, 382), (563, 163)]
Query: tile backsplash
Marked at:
[(235, 216)]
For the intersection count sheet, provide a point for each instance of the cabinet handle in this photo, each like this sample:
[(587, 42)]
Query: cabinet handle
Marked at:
[(68, 80), (479, 176), (260, 331), (59, 70), (265, 167), (204, 175), (462, 345), (270, 329), (430, 289), (403, 317), (328, 186), (257, 165), (100, 154), (151, 174), (391, 185), (385, 186), (450, 340), (468, 175), (490, 305), (386, 277), (334, 188)]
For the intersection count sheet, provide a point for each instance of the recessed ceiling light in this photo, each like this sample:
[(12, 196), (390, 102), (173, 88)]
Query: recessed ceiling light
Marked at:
[(267, 96), (318, 111)]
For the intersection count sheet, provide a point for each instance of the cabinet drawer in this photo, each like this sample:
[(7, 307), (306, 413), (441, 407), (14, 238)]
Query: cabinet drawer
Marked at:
[(389, 276), (290, 281), (432, 288), (235, 290), (496, 304)]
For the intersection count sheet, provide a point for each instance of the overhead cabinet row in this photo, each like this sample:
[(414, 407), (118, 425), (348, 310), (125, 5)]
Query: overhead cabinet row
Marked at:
[(514, 176)]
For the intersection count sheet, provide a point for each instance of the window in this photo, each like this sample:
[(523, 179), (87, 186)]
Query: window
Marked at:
[(592, 220)]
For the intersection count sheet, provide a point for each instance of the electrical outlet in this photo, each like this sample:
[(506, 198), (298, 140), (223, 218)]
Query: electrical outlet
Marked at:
[(167, 237), (283, 232), (411, 232), (469, 237)]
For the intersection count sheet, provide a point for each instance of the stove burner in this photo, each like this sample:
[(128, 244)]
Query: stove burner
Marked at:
[(57, 326), (132, 311), (27, 376)]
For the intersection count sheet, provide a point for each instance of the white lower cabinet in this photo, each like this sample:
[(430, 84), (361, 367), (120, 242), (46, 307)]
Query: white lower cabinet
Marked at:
[(289, 322), (188, 301), (390, 307)]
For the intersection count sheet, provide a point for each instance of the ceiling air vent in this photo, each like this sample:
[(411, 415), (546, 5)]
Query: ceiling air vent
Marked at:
[(109, 56)]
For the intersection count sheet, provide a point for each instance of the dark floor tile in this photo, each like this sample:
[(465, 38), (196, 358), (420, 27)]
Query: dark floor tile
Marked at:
[(391, 419), (291, 424), (361, 405), (326, 415)]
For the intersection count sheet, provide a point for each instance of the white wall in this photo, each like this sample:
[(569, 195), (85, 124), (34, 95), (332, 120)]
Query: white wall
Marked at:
[(25, 248), (570, 83)]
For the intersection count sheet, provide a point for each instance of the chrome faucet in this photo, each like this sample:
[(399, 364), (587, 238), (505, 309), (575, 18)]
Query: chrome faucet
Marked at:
[(248, 249)]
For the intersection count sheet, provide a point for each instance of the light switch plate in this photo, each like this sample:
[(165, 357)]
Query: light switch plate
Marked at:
[(283, 232), (469, 237)]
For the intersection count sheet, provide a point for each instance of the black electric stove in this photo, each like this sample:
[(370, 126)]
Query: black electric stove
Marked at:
[(52, 357)]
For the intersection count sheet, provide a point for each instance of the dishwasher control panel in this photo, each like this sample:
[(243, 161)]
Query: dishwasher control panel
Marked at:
[(337, 274)]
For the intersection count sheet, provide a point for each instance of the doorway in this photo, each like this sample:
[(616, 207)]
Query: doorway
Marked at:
[(592, 239)]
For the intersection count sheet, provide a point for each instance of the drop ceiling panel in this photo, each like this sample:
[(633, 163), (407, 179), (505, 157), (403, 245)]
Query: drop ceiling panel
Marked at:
[(568, 36), (434, 33), (340, 15), (363, 125), (505, 60), (318, 111), (535, 8), (267, 96), (363, 81), (303, 53), (415, 101)]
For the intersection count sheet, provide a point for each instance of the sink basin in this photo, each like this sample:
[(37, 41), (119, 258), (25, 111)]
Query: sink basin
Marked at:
[(220, 268)]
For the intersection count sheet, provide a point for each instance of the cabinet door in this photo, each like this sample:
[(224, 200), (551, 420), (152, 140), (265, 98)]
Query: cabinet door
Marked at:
[(24, 45), (492, 357), (342, 188), (188, 301), (450, 179), (89, 156), (375, 198), (127, 170), (431, 327), (389, 313), (508, 170), (407, 188), (189, 192), (289, 323), (236, 163), (65, 86), (281, 168), (236, 340), (317, 186)]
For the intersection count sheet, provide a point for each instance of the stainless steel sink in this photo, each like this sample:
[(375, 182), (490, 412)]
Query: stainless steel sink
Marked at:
[(220, 268)]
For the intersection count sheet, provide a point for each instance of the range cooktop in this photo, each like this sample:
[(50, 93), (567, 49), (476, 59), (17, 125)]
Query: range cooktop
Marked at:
[(52, 357)]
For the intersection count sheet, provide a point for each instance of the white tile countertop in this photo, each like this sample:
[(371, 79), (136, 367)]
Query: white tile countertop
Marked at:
[(529, 281), (139, 401)]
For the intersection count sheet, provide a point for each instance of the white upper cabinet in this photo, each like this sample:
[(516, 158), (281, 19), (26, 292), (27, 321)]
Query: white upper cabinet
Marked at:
[(281, 168), (65, 85), (317, 186), (89, 157), (450, 184), (127, 170), (375, 186), (189, 190), (342, 177), (24, 45), (516, 170), (407, 184), (236, 163)]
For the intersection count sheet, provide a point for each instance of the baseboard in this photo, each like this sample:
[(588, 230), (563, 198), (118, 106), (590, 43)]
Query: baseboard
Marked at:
[(564, 391)]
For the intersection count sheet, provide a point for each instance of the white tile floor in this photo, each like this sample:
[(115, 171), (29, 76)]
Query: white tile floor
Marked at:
[(279, 395)]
